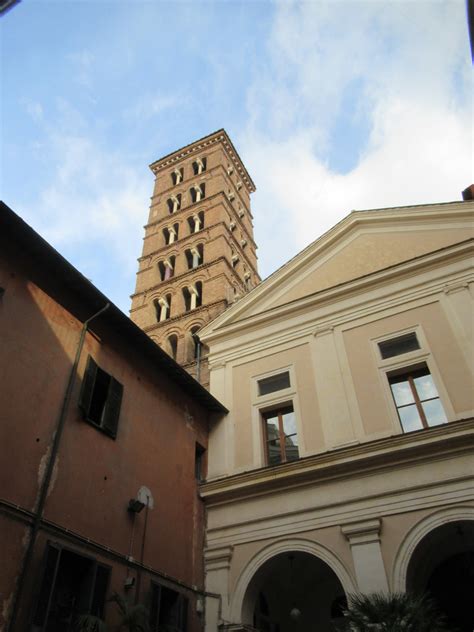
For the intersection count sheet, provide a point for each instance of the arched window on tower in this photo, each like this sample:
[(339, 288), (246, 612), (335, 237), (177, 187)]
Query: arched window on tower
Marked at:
[(192, 296), (170, 233), (234, 257), (177, 176), (174, 203), (195, 343), (197, 192), (163, 308), (173, 346), (196, 222), (194, 256), (199, 165), (166, 268), (247, 280)]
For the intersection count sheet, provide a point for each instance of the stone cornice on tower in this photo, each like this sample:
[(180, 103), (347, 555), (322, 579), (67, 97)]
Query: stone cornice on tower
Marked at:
[(197, 146)]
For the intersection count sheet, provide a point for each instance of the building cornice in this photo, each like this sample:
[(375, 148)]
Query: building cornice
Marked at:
[(382, 219), (219, 329), (207, 141), (444, 441)]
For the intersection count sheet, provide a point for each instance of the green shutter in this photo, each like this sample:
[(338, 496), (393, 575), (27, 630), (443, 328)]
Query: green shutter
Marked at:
[(88, 382), (112, 407)]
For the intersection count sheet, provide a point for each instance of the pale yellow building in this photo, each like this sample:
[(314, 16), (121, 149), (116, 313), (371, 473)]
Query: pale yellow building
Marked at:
[(346, 461)]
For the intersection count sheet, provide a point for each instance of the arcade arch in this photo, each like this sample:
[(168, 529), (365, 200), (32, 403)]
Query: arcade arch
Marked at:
[(291, 586)]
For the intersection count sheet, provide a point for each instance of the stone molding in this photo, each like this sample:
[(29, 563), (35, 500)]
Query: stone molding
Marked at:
[(380, 454), (203, 143), (363, 532), (218, 558)]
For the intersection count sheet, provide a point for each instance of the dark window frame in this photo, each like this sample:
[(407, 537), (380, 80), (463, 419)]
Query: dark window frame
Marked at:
[(94, 401)]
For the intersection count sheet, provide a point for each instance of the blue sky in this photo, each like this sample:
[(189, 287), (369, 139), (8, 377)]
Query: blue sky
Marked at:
[(332, 105)]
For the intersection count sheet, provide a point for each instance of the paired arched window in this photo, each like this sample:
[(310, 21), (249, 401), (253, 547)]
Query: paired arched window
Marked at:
[(192, 296), (174, 203), (173, 346), (177, 176), (194, 256), (166, 268), (170, 234), (163, 308), (196, 222), (197, 192), (234, 257), (199, 165), (194, 343)]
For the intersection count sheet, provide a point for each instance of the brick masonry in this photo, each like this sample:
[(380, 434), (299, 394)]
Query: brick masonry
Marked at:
[(228, 264)]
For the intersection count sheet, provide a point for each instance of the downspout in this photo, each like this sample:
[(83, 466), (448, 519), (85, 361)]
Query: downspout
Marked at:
[(198, 358), (38, 515)]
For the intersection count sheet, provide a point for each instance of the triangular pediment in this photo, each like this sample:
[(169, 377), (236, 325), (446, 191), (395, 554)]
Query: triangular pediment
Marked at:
[(362, 244)]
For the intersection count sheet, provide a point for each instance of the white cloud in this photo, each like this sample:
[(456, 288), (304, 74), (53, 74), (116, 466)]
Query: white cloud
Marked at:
[(412, 60), (33, 109), (149, 106), (83, 63)]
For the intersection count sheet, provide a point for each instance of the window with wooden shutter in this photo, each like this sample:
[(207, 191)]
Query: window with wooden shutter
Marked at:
[(101, 398)]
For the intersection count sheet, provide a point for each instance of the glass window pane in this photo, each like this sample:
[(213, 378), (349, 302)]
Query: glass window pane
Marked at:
[(291, 448), (397, 346), (289, 422), (410, 418), (425, 387), (274, 383), (273, 451), (402, 393), (434, 412), (272, 428), (291, 440)]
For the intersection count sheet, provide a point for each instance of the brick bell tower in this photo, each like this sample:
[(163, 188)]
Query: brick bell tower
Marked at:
[(198, 255)]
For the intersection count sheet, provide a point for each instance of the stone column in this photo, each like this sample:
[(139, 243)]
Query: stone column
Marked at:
[(364, 538), (217, 566)]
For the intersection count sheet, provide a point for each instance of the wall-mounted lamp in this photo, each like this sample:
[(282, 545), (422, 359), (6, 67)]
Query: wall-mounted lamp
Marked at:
[(135, 505)]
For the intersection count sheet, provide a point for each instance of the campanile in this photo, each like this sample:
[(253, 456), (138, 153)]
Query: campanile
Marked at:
[(199, 255)]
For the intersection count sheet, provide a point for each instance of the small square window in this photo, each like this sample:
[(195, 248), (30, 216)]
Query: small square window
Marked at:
[(274, 383), (398, 346)]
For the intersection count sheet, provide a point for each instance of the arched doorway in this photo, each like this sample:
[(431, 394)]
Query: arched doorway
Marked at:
[(443, 566), (293, 591)]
